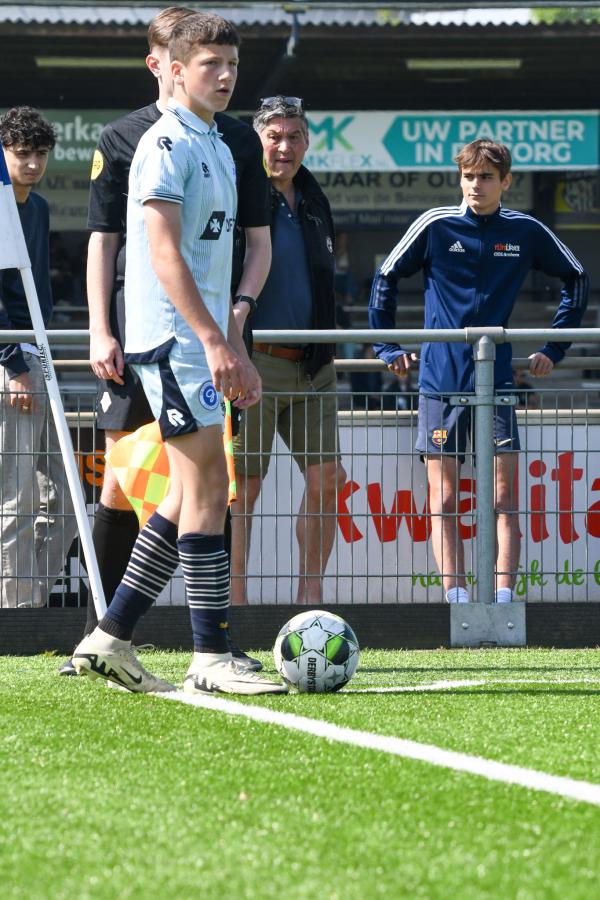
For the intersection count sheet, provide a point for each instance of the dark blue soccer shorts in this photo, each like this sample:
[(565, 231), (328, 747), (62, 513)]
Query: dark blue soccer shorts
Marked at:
[(443, 428)]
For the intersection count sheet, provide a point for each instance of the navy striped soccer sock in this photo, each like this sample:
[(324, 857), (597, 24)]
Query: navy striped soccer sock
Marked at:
[(205, 568), (153, 560)]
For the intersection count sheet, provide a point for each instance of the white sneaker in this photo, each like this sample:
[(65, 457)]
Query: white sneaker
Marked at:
[(211, 673), (100, 656)]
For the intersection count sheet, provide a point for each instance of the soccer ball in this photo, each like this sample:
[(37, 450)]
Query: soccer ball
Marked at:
[(316, 652)]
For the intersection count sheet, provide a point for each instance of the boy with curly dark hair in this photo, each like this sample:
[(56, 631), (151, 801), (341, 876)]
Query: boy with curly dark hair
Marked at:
[(36, 514)]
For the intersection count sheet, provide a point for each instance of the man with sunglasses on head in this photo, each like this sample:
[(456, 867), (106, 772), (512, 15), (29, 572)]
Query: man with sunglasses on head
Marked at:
[(121, 405), (298, 379)]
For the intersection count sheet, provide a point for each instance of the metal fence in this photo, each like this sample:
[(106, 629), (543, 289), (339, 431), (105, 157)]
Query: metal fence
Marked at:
[(381, 523)]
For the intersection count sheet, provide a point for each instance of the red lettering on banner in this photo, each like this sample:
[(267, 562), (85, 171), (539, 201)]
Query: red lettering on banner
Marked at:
[(468, 505), (388, 525), (592, 520), (350, 532), (566, 475), (539, 530)]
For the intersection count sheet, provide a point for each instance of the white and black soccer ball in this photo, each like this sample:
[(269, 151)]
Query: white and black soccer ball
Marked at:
[(316, 652)]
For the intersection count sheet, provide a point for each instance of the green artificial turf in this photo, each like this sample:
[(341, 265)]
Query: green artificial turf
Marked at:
[(109, 795)]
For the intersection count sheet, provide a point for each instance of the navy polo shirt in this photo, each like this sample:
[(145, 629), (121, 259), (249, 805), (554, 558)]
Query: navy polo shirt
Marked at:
[(286, 300)]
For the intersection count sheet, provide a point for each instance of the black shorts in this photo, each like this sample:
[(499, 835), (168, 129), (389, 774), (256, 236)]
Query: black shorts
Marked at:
[(122, 407)]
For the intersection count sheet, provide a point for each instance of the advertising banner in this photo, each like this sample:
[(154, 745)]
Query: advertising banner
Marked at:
[(577, 201), (382, 548), (393, 199), (410, 141), (382, 552), (391, 147)]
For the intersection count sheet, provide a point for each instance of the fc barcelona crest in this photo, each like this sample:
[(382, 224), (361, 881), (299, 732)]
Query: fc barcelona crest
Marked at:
[(439, 436)]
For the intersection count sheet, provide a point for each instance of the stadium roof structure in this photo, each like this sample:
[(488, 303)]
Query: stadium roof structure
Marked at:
[(337, 55), (269, 13), (324, 13)]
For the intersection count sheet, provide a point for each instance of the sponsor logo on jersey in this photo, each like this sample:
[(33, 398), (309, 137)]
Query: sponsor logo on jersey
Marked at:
[(215, 225), (439, 436), (176, 418), (208, 396), (457, 248), (507, 249), (164, 143), (97, 165), (329, 243)]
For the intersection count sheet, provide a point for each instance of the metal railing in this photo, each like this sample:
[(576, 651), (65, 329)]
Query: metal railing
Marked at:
[(381, 551)]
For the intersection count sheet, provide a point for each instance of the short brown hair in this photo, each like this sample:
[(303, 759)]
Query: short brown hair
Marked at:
[(197, 31), (162, 25), (478, 153)]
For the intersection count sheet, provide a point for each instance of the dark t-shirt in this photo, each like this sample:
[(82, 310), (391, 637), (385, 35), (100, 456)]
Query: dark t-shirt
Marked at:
[(110, 174), (14, 312)]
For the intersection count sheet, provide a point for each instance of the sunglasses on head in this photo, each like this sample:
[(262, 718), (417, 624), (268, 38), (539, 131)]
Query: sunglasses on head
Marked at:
[(294, 103)]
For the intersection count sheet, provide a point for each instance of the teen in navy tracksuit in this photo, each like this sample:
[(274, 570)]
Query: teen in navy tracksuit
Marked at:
[(474, 258)]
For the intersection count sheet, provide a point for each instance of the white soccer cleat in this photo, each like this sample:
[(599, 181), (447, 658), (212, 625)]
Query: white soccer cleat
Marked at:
[(212, 673), (100, 656)]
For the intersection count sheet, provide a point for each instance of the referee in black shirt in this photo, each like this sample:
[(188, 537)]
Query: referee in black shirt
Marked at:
[(121, 403)]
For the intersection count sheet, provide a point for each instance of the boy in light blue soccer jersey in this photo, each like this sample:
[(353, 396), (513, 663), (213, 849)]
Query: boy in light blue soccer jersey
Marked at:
[(184, 344)]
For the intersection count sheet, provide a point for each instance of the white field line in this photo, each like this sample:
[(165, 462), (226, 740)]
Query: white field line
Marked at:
[(447, 685), (449, 759)]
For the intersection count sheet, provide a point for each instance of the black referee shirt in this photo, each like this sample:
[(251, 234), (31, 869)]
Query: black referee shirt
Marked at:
[(112, 161)]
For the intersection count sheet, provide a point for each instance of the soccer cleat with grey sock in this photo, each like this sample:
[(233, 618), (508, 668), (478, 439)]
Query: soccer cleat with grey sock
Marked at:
[(219, 673)]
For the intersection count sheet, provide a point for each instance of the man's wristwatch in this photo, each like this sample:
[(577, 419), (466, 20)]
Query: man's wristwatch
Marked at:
[(249, 300)]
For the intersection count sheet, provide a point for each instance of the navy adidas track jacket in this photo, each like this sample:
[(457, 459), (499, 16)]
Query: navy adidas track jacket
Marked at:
[(473, 269)]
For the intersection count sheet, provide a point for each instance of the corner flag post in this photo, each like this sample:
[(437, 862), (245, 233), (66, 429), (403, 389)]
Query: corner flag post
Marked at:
[(14, 255)]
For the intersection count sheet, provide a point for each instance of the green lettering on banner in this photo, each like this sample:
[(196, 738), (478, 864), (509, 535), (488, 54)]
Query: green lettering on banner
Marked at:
[(434, 579), (574, 577), (532, 577)]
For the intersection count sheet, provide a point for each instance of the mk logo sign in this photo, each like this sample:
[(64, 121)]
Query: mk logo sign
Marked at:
[(333, 133)]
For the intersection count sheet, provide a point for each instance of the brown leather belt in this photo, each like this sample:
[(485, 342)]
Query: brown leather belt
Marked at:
[(294, 354)]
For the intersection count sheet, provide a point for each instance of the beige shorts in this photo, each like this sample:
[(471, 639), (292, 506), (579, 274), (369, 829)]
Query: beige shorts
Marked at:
[(303, 411)]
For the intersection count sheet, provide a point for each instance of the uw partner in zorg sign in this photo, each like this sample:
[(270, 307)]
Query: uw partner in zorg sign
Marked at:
[(381, 142)]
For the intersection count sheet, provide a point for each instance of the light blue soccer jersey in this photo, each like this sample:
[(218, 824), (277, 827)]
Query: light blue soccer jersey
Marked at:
[(182, 160)]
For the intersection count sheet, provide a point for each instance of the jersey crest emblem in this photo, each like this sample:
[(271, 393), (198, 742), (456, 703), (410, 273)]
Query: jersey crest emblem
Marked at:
[(439, 436), (208, 396), (164, 143)]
